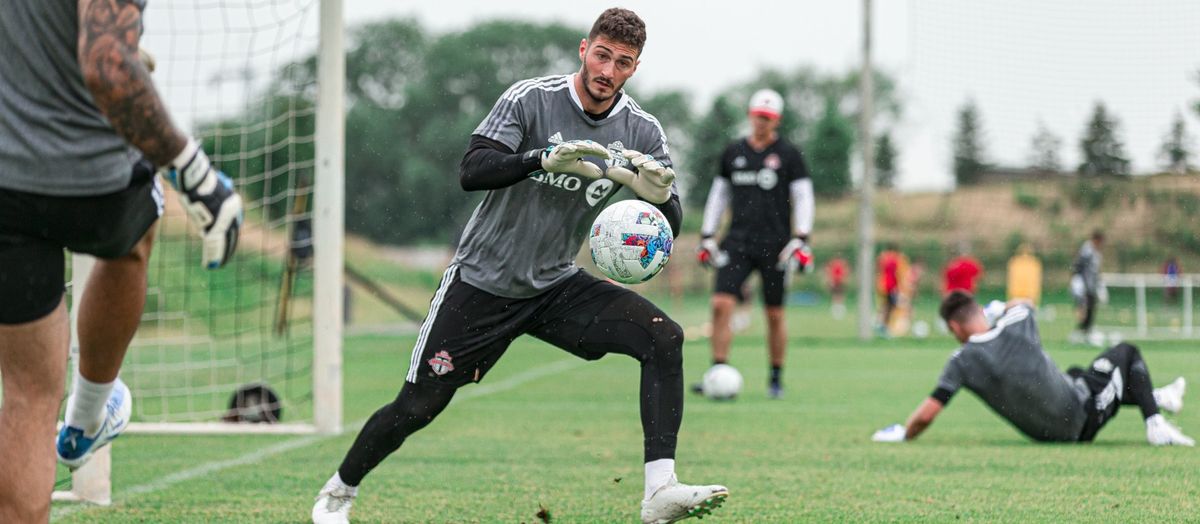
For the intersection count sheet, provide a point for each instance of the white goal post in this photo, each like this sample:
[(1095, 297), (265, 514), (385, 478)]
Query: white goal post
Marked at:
[(281, 165), (1136, 311)]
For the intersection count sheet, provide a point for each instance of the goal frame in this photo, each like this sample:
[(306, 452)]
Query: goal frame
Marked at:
[(92, 483), (1142, 281)]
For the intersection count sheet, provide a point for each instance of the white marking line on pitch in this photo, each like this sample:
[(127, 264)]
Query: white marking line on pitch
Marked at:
[(258, 455)]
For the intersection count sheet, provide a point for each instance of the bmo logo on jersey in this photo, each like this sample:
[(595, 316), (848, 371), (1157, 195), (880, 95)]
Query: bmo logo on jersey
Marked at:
[(764, 178), (559, 180), (595, 192)]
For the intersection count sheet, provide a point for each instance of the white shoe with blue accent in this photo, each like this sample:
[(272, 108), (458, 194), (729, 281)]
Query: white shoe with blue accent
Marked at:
[(74, 448)]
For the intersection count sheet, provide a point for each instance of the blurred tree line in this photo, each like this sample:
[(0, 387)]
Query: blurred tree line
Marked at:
[(414, 97)]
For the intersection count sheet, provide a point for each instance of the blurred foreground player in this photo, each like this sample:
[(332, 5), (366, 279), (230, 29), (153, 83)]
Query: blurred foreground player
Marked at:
[(1005, 365), (82, 133), (550, 154)]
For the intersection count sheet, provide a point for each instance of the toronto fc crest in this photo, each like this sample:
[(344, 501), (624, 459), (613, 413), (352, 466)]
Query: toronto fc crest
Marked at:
[(441, 363)]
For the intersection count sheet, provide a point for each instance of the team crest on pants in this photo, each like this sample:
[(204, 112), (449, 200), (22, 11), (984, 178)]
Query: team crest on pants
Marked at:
[(441, 363)]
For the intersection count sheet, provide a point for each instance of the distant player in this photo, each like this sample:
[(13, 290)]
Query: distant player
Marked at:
[(77, 113), (961, 274), (836, 272), (1025, 276), (887, 283), (550, 154), (1006, 366), (765, 183), (1088, 289)]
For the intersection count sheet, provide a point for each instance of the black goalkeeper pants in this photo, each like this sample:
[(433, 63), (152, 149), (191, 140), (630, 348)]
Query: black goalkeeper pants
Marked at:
[(468, 330), (1116, 377)]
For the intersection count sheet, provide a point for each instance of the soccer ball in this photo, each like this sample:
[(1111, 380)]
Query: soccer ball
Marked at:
[(631, 241), (722, 382)]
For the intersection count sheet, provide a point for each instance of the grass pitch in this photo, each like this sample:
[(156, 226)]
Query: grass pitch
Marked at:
[(546, 430)]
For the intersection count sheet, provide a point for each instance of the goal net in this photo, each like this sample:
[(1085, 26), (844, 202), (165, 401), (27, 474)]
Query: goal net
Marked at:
[(243, 78)]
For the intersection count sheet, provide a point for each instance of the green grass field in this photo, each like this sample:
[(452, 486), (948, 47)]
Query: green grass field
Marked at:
[(545, 429)]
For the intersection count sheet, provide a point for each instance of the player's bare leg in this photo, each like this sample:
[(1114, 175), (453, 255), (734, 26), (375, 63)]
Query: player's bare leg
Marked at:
[(111, 310), (99, 405), (723, 305), (777, 346), (33, 357)]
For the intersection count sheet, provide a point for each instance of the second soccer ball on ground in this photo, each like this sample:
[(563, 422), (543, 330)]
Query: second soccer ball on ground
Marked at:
[(722, 382), (631, 241)]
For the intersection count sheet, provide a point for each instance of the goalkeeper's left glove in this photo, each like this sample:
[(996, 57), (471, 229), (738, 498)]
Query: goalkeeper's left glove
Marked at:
[(892, 433), (649, 178), (993, 311), (796, 254), (212, 205)]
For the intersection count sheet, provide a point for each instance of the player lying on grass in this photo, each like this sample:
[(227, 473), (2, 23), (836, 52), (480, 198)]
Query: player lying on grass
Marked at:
[(1004, 363), (543, 156)]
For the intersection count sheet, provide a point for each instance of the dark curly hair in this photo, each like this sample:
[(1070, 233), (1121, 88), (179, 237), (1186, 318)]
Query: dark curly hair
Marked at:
[(621, 26)]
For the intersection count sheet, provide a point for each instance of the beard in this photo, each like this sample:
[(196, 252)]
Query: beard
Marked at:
[(587, 86)]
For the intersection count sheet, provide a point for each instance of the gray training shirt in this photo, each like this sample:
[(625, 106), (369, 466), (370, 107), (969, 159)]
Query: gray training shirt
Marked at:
[(53, 139), (523, 239), (1010, 371)]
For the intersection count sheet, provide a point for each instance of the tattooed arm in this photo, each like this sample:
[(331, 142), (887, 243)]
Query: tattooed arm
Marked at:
[(109, 31)]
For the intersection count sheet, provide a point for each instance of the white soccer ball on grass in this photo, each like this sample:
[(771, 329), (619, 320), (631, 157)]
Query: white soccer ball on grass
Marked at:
[(631, 241), (722, 382)]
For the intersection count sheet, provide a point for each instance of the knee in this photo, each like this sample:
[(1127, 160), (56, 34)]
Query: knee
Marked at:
[(723, 303), (668, 341)]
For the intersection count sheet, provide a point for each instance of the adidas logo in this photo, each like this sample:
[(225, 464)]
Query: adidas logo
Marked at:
[(556, 138)]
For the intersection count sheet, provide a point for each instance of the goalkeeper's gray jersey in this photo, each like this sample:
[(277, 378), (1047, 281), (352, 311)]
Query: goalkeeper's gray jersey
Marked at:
[(523, 239), (1010, 371), (53, 139)]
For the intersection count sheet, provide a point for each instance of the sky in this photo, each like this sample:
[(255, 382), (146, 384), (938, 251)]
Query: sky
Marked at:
[(1021, 61)]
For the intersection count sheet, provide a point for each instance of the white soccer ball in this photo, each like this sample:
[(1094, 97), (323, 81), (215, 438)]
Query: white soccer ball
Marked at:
[(722, 382), (631, 241), (920, 329)]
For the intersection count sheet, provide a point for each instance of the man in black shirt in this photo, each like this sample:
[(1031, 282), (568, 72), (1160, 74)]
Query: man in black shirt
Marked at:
[(765, 184)]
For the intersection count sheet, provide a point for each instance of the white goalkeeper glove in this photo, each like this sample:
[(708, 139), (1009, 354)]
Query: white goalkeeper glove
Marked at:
[(213, 207), (649, 178), (567, 157), (710, 253), (796, 254), (993, 311), (892, 433)]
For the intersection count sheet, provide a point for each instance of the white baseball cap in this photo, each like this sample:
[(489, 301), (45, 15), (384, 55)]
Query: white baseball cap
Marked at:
[(767, 103)]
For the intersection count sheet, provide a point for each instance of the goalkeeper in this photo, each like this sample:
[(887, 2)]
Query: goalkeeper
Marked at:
[(1003, 362), (765, 183), (82, 134), (550, 154)]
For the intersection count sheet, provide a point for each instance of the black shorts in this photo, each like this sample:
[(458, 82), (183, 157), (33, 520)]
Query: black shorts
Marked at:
[(468, 329), (1105, 379), (34, 230), (745, 258)]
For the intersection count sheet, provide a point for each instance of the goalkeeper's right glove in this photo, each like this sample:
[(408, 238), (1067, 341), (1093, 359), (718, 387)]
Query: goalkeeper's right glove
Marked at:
[(212, 205), (710, 253), (567, 157)]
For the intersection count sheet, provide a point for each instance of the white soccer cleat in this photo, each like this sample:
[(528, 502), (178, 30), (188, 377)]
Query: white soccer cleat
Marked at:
[(74, 448), (1162, 433), (1095, 338), (333, 505), (1170, 397), (674, 502)]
